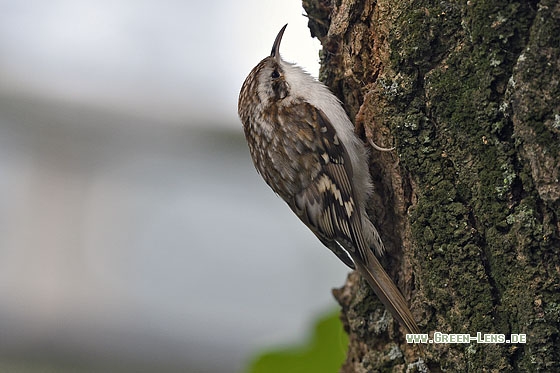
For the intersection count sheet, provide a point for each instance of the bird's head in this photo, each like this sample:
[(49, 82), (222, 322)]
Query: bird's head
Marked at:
[(268, 82)]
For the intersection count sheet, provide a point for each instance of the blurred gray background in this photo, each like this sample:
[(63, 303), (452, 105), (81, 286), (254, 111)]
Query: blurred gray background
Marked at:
[(134, 232)]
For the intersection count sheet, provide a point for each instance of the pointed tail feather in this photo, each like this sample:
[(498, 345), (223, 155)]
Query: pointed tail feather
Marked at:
[(387, 291)]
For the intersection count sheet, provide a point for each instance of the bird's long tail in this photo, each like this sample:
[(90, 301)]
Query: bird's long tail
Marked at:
[(387, 291)]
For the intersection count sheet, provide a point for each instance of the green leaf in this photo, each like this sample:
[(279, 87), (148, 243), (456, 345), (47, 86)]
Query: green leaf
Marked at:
[(325, 352)]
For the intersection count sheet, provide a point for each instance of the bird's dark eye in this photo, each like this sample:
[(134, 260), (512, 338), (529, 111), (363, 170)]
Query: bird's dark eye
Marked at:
[(275, 74)]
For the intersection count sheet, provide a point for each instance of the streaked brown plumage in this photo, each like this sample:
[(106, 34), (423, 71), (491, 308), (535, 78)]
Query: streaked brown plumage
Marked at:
[(303, 145)]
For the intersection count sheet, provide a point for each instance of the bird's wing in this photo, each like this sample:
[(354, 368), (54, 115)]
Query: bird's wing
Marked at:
[(326, 204)]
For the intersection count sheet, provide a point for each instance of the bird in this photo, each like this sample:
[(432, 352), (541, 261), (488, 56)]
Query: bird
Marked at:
[(304, 146)]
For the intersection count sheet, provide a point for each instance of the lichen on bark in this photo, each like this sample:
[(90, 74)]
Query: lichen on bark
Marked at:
[(468, 204)]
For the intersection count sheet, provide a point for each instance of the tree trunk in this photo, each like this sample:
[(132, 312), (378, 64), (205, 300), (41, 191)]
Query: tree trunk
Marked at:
[(468, 203)]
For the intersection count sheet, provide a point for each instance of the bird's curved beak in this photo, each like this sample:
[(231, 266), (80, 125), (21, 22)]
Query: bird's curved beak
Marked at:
[(276, 46)]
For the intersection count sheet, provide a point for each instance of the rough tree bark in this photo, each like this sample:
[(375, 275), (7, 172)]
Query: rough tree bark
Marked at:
[(468, 203)]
